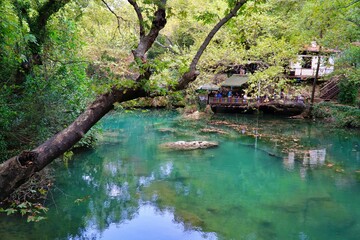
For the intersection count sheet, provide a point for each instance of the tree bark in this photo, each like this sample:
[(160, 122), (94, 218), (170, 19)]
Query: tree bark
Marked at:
[(19, 169), (148, 40)]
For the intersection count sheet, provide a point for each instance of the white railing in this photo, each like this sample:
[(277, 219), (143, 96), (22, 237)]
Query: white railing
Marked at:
[(310, 72)]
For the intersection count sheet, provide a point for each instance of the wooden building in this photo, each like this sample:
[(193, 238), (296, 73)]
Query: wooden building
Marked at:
[(307, 62)]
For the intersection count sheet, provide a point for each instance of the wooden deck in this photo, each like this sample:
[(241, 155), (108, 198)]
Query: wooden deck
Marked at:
[(241, 105), (237, 101)]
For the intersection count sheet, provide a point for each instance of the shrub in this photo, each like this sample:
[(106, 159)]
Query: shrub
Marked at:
[(349, 89), (339, 115)]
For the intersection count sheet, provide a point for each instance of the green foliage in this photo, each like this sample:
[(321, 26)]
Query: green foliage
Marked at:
[(67, 156), (267, 82), (349, 89), (331, 23), (10, 31), (338, 115), (207, 17), (348, 68), (33, 211), (90, 138), (52, 94)]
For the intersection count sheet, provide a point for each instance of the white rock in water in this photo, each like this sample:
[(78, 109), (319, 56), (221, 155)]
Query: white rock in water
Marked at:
[(182, 145)]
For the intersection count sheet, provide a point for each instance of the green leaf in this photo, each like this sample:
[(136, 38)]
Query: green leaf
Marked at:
[(10, 211), (23, 205), (30, 38)]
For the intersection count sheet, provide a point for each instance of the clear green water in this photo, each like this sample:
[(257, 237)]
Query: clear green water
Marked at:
[(274, 185)]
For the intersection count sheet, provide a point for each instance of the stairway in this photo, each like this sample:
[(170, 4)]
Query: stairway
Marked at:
[(330, 89)]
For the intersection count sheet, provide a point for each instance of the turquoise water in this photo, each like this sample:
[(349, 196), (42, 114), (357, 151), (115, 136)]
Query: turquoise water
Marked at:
[(268, 179)]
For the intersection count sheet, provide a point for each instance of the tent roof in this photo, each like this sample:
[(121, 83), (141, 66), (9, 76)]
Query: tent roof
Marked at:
[(208, 86), (235, 80)]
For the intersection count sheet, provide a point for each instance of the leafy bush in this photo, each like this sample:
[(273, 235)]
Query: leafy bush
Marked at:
[(322, 110), (339, 115), (90, 139), (349, 89), (349, 68)]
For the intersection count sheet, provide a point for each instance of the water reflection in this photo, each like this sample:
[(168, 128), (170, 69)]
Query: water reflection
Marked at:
[(314, 158), (130, 189), (289, 161), (191, 195), (149, 223), (309, 160)]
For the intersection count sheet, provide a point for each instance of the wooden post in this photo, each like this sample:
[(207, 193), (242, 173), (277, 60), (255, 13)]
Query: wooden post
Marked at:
[(315, 80)]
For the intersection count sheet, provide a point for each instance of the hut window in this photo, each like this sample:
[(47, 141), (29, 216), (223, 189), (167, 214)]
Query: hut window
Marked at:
[(306, 62)]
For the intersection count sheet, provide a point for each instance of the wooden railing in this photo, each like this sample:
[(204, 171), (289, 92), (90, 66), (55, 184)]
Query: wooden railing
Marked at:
[(330, 89), (228, 100), (245, 101)]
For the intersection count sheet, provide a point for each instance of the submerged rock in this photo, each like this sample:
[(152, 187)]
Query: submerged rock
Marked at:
[(195, 115), (183, 145), (213, 130), (167, 130)]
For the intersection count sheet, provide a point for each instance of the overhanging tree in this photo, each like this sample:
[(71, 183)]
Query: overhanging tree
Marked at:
[(18, 169)]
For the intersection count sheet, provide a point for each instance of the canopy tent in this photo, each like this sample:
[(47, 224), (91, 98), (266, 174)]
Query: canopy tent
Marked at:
[(208, 87), (235, 80)]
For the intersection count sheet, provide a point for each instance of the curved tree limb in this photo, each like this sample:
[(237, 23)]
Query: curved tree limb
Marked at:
[(192, 73), (140, 17), (114, 13)]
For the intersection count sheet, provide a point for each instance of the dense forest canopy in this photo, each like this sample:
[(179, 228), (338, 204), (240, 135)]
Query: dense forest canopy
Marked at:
[(58, 56)]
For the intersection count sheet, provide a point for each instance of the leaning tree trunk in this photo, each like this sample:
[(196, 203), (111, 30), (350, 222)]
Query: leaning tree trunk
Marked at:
[(19, 169)]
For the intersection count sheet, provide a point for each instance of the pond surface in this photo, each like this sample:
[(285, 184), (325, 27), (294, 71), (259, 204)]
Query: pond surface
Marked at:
[(268, 179)]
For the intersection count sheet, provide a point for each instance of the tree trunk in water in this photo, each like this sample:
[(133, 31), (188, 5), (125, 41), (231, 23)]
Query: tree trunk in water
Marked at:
[(19, 169)]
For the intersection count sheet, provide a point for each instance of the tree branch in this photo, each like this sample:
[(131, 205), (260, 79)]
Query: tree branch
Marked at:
[(193, 73), (37, 26), (148, 40), (166, 47), (140, 17), (117, 16)]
